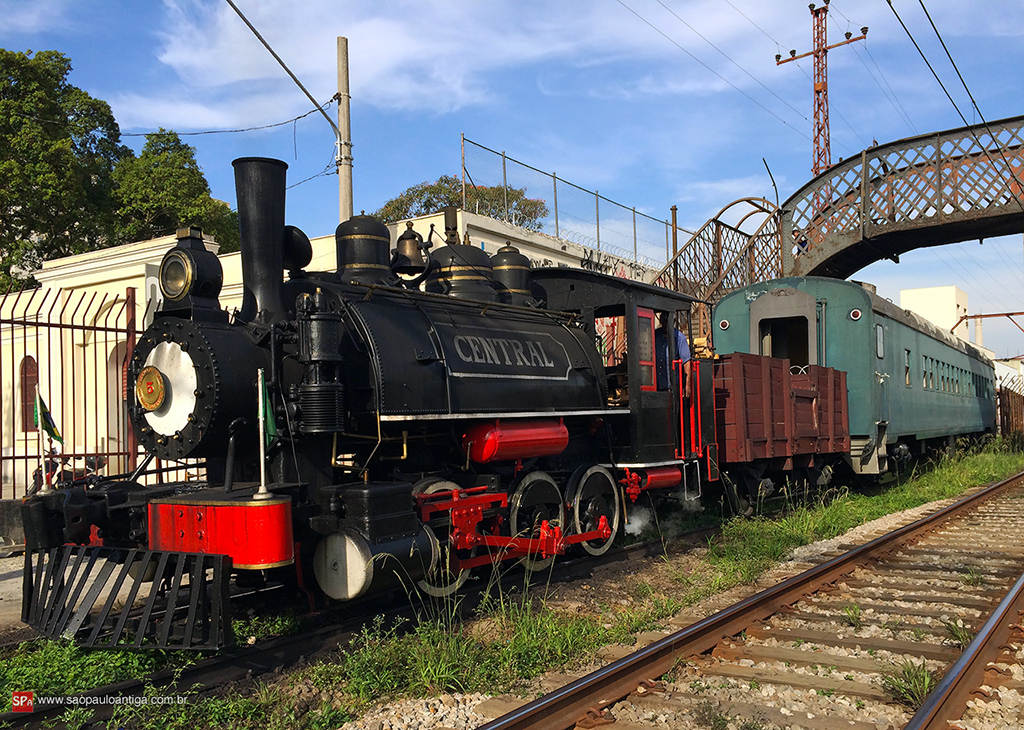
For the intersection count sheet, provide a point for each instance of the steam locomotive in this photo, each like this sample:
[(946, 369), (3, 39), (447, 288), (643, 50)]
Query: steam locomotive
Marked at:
[(433, 411)]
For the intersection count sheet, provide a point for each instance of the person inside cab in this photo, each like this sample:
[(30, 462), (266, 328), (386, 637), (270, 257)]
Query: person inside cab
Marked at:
[(663, 356)]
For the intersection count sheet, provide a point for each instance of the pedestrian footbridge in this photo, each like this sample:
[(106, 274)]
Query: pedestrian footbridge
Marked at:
[(930, 190)]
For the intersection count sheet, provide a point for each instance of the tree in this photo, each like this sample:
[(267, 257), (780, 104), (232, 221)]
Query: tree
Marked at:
[(163, 189), (427, 198), (58, 147)]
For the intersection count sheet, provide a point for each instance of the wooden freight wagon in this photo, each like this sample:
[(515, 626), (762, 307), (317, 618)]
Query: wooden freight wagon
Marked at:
[(773, 419), (1011, 412)]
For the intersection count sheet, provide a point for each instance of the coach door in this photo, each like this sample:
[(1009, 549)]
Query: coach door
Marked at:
[(784, 324)]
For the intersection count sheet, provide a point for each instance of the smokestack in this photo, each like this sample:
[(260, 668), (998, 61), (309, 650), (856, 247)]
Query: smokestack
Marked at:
[(260, 186)]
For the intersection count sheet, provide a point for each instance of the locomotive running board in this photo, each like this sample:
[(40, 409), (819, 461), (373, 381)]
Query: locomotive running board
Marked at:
[(187, 605)]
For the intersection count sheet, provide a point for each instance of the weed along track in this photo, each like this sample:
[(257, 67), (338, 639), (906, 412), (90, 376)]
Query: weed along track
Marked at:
[(859, 641)]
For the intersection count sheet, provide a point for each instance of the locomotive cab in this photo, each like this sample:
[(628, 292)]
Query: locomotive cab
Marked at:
[(661, 403)]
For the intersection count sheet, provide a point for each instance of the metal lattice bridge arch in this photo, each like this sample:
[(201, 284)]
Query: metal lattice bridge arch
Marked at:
[(918, 192), (738, 247)]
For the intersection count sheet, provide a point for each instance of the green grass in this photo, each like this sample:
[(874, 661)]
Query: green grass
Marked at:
[(852, 616), (974, 577), (960, 636), (747, 547), (265, 707), (265, 626), (60, 667), (909, 683), (515, 640), (520, 640)]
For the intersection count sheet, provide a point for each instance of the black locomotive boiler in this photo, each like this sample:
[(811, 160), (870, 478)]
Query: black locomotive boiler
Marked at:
[(435, 411)]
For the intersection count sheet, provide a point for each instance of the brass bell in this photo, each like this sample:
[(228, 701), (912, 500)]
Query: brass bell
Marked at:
[(408, 257)]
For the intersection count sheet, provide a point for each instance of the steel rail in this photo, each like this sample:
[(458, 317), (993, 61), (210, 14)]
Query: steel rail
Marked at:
[(948, 700), (565, 706)]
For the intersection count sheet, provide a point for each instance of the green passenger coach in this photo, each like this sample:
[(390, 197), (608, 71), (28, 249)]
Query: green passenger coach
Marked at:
[(911, 385)]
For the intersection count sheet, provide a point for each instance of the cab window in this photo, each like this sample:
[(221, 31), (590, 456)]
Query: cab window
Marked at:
[(645, 345)]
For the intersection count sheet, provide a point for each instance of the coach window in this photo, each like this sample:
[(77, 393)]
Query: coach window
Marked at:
[(906, 367), (29, 381), (879, 340)]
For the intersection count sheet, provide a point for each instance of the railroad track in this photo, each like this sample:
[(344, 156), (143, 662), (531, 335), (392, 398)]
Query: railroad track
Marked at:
[(814, 650)]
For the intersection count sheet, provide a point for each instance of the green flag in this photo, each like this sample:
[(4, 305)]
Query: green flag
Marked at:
[(43, 419), (269, 424)]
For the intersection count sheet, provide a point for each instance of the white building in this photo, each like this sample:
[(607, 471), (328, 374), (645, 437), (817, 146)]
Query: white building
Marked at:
[(943, 306)]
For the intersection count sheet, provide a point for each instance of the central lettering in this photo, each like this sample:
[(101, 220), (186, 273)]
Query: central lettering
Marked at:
[(502, 351)]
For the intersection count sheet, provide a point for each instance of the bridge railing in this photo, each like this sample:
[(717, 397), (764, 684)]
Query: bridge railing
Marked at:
[(954, 177)]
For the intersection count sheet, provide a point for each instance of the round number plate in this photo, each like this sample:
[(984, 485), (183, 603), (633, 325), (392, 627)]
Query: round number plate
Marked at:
[(149, 388)]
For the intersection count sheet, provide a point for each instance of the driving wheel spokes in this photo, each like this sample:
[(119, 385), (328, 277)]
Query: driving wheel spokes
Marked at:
[(442, 577), (537, 500), (595, 495)]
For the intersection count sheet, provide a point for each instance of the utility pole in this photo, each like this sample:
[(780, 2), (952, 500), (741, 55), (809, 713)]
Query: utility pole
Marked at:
[(344, 152), (822, 144)]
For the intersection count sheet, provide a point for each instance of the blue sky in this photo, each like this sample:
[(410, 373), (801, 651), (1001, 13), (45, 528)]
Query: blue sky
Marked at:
[(585, 88)]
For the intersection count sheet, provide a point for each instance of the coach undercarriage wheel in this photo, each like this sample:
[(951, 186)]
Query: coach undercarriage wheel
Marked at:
[(441, 579), (737, 501), (537, 499), (594, 495)]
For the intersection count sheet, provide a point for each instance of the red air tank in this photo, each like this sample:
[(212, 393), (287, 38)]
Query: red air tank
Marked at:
[(508, 440), (661, 477)]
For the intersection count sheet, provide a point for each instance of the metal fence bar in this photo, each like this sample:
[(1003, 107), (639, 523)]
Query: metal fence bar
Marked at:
[(554, 191), (79, 342), (568, 212)]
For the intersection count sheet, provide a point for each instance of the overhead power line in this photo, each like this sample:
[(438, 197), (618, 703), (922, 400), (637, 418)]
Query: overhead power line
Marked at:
[(318, 105), (891, 93), (952, 62), (928, 63), (767, 34), (678, 45), (728, 58), (992, 136), (236, 131)]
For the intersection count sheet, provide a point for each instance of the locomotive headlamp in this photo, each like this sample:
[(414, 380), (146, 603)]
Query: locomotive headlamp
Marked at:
[(190, 274), (724, 324), (855, 314), (176, 274)]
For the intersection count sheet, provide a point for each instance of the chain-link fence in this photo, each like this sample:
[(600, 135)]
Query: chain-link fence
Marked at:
[(500, 187)]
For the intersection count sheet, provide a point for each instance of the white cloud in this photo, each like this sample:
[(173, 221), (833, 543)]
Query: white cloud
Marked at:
[(134, 111), (36, 16), (435, 56)]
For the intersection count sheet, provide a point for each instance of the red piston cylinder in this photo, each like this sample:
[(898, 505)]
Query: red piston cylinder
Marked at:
[(663, 476), (505, 441)]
